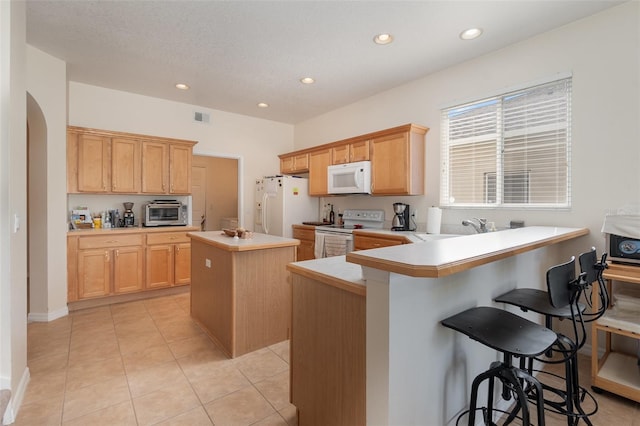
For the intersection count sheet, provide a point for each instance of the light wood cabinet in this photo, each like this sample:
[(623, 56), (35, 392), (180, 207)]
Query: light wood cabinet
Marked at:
[(350, 152), (108, 265), (397, 158), (397, 163), (295, 163), (93, 163), (168, 259), (155, 173), (101, 161), (611, 371), (371, 241), (307, 236), (318, 163), (125, 165), (122, 260)]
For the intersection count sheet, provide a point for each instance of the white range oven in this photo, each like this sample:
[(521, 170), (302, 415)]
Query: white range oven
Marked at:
[(337, 240)]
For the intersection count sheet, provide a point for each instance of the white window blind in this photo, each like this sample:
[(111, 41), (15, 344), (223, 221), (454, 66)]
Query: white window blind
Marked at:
[(511, 150)]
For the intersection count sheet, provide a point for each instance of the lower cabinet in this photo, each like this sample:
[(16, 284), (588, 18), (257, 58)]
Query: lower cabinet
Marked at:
[(107, 265), (168, 259), (307, 236), (362, 241)]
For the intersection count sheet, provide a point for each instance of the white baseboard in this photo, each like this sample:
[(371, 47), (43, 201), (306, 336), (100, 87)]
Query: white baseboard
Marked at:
[(49, 316), (16, 398)]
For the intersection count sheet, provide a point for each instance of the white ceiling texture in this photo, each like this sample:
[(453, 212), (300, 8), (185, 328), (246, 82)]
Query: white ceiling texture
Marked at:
[(235, 54)]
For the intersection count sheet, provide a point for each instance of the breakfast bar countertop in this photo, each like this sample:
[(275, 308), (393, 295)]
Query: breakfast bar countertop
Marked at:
[(447, 256), (257, 242), (333, 271)]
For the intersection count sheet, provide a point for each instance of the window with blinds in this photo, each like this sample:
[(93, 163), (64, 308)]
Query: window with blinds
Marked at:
[(511, 150)]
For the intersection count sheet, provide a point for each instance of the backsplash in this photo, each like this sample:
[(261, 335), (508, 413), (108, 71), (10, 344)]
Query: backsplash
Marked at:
[(97, 203)]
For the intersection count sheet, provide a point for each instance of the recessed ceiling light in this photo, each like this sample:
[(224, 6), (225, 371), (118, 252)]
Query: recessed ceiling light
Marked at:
[(307, 80), (471, 33), (383, 38), (182, 86), (263, 105)]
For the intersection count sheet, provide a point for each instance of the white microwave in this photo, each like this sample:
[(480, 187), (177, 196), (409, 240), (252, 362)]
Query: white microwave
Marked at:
[(349, 178)]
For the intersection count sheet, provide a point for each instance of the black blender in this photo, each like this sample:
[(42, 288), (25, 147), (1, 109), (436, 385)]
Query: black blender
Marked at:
[(127, 215), (401, 220)]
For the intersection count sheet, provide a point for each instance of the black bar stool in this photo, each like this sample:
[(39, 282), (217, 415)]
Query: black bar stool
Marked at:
[(561, 301), (513, 336)]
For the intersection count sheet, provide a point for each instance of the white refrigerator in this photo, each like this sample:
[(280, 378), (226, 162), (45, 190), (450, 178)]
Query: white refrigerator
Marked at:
[(282, 201)]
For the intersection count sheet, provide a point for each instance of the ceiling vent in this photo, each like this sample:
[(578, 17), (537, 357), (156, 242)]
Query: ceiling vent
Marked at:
[(201, 117)]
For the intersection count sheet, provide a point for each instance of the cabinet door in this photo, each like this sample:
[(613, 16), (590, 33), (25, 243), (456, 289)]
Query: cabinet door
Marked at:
[(94, 163), (180, 169), (125, 165), (305, 251), (128, 267), (340, 154), (155, 164), (160, 266), (390, 164), (318, 163), (182, 263), (359, 151), (296, 163), (94, 273)]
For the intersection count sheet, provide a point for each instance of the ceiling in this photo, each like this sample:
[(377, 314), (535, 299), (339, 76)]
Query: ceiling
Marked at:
[(235, 54)]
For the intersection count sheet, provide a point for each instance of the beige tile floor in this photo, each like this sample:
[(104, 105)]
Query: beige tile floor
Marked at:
[(148, 363)]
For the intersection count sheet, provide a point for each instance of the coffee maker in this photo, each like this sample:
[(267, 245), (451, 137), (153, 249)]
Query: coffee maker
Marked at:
[(401, 220), (127, 215)]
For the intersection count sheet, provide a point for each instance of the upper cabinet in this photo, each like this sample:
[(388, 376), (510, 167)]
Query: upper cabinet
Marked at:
[(101, 161), (397, 158), (350, 152), (397, 163), (318, 162), (295, 163)]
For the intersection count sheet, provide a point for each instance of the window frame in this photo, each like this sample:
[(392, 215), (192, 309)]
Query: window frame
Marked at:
[(498, 137)]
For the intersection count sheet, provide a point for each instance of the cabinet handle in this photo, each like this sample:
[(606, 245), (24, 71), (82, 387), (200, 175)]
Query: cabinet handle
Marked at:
[(117, 253), (177, 249), (172, 238), (106, 256)]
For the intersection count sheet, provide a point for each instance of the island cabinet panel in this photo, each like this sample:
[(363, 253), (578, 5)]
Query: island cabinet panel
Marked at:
[(328, 354), (242, 298)]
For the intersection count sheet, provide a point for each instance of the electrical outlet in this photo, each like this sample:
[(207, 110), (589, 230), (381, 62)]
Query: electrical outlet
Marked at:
[(207, 263)]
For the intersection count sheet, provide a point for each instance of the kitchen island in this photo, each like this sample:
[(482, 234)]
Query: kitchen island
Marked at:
[(240, 291), (417, 371)]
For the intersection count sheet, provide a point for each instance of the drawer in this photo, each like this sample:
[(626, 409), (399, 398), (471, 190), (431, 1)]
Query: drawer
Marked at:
[(168, 238), (362, 242), (304, 234), (107, 241)]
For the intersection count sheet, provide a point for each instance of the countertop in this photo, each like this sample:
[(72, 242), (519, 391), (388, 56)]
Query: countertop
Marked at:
[(333, 271), (258, 242), (132, 230), (446, 256), (411, 236)]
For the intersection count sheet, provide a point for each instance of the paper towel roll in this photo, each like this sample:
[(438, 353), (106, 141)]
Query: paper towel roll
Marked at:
[(434, 219)]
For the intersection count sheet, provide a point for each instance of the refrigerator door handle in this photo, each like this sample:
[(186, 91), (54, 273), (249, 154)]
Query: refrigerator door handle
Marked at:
[(265, 224)]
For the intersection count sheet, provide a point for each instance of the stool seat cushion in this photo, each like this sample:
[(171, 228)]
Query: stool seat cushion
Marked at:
[(535, 300), (502, 331)]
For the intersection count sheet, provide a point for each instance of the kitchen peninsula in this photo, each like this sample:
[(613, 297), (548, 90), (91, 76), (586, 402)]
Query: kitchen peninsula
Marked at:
[(240, 291), (417, 371)]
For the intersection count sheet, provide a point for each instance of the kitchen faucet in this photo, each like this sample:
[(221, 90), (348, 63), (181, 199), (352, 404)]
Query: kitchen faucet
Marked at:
[(480, 228)]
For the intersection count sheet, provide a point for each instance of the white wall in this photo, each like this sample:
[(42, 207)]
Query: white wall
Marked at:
[(47, 116), (255, 141), (601, 51), (13, 243)]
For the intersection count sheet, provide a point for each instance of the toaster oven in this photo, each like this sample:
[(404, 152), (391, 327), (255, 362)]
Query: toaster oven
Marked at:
[(164, 213), (622, 236)]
